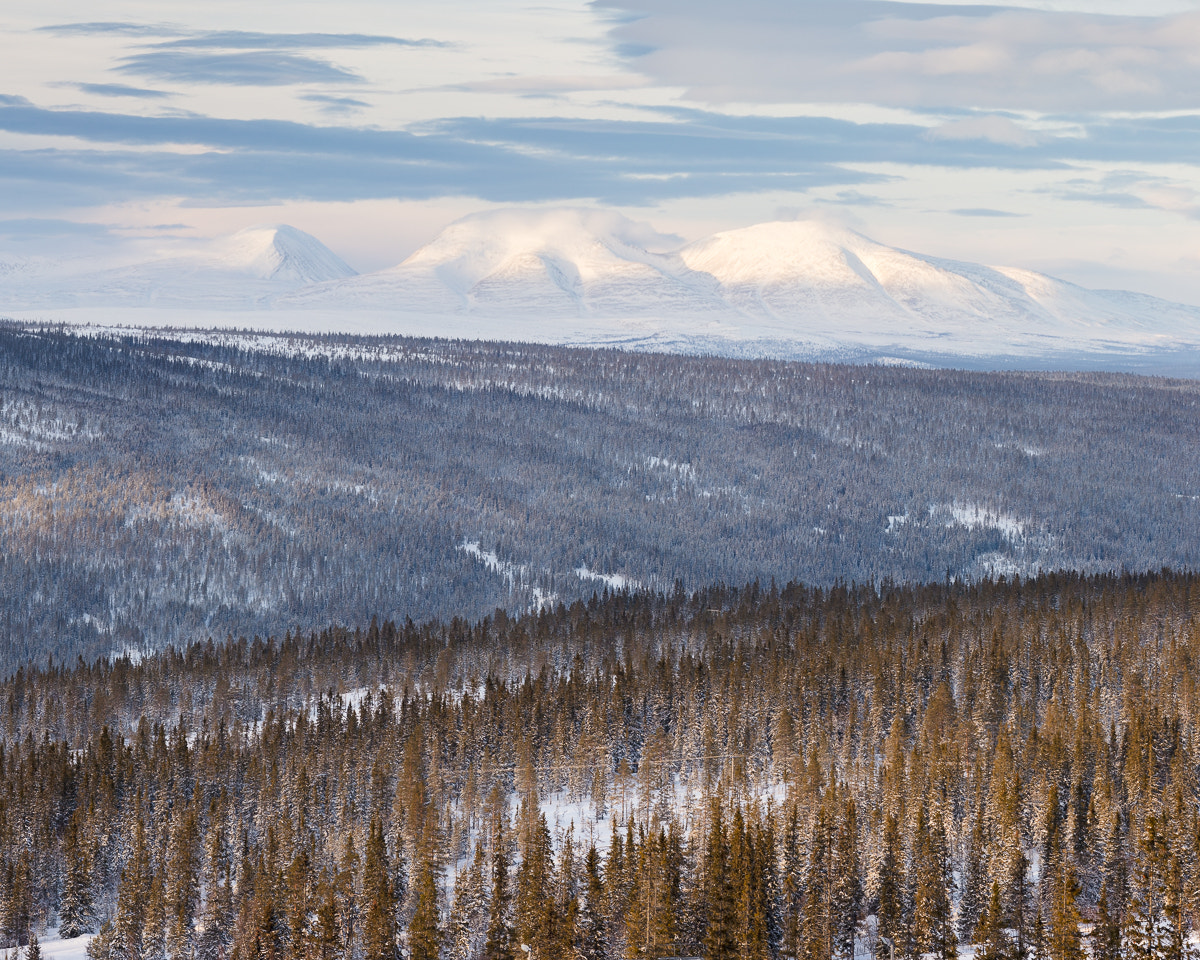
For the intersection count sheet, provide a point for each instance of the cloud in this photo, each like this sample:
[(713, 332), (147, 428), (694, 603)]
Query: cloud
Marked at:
[(690, 153), (39, 227), (504, 161), (118, 28), (855, 198), (984, 212), (335, 105), (1132, 189), (119, 90), (994, 128), (259, 68), (911, 54), (250, 40), (550, 85)]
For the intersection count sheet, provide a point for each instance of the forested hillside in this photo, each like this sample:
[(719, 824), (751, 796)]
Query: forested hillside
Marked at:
[(735, 774), (157, 491)]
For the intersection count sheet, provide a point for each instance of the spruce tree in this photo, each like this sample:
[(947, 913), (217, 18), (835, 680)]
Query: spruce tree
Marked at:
[(1063, 940), (424, 930), (500, 944), (183, 884), (1106, 932), (889, 912), (536, 919), (468, 918), (818, 925), (720, 933), (990, 936), (932, 922), (846, 893), (379, 898), (76, 910), (588, 938)]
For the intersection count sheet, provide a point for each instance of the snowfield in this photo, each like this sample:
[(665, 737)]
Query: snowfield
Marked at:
[(794, 290)]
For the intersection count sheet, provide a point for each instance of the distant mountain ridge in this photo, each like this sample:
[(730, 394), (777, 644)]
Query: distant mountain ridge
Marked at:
[(792, 289)]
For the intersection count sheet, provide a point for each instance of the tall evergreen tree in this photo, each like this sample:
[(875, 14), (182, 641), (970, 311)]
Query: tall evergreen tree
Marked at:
[(379, 923), (500, 944), (425, 930), (588, 939), (720, 931)]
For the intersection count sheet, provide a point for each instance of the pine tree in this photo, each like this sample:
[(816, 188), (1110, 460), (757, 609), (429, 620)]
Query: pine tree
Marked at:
[(720, 934), (297, 881), (932, 923), (468, 918), (183, 884), (536, 919), (793, 884), (326, 939), (818, 925), (975, 887), (133, 896), (889, 912), (424, 931), (588, 940), (846, 892), (1063, 940), (1144, 934), (1106, 932), (499, 944), (154, 930), (76, 910), (379, 898), (989, 931)]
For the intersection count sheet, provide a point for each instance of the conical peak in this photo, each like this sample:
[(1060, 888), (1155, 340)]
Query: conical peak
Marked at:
[(281, 252)]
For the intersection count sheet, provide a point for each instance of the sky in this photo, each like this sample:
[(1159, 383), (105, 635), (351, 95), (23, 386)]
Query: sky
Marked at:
[(1061, 136)]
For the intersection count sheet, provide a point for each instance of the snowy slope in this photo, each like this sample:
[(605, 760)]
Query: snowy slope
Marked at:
[(556, 263), (797, 289), (244, 271)]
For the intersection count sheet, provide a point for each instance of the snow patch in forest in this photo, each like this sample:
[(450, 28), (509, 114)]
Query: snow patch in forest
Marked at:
[(55, 948), (895, 522), (516, 575), (995, 564), (510, 571), (974, 517), (685, 470), (614, 581)]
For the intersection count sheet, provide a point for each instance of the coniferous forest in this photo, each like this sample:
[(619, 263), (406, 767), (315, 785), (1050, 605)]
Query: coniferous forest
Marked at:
[(161, 488), (759, 772)]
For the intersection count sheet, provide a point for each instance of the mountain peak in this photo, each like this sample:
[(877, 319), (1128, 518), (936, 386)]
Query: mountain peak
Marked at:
[(281, 252)]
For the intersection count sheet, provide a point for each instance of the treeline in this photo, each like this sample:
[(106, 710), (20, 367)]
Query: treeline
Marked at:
[(750, 773), (157, 489)]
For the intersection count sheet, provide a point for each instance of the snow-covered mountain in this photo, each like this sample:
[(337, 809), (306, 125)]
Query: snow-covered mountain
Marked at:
[(800, 289), (244, 271)]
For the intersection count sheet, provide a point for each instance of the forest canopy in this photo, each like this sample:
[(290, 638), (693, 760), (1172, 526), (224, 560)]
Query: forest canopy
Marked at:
[(159, 489), (728, 773)]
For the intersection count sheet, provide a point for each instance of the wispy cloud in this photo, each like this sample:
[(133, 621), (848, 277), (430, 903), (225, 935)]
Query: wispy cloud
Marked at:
[(335, 105), (984, 212), (262, 68), (550, 85), (251, 40), (112, 28), (120, 90)]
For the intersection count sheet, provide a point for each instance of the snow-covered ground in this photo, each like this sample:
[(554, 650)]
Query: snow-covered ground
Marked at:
[(796, 289), (55, 949)]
